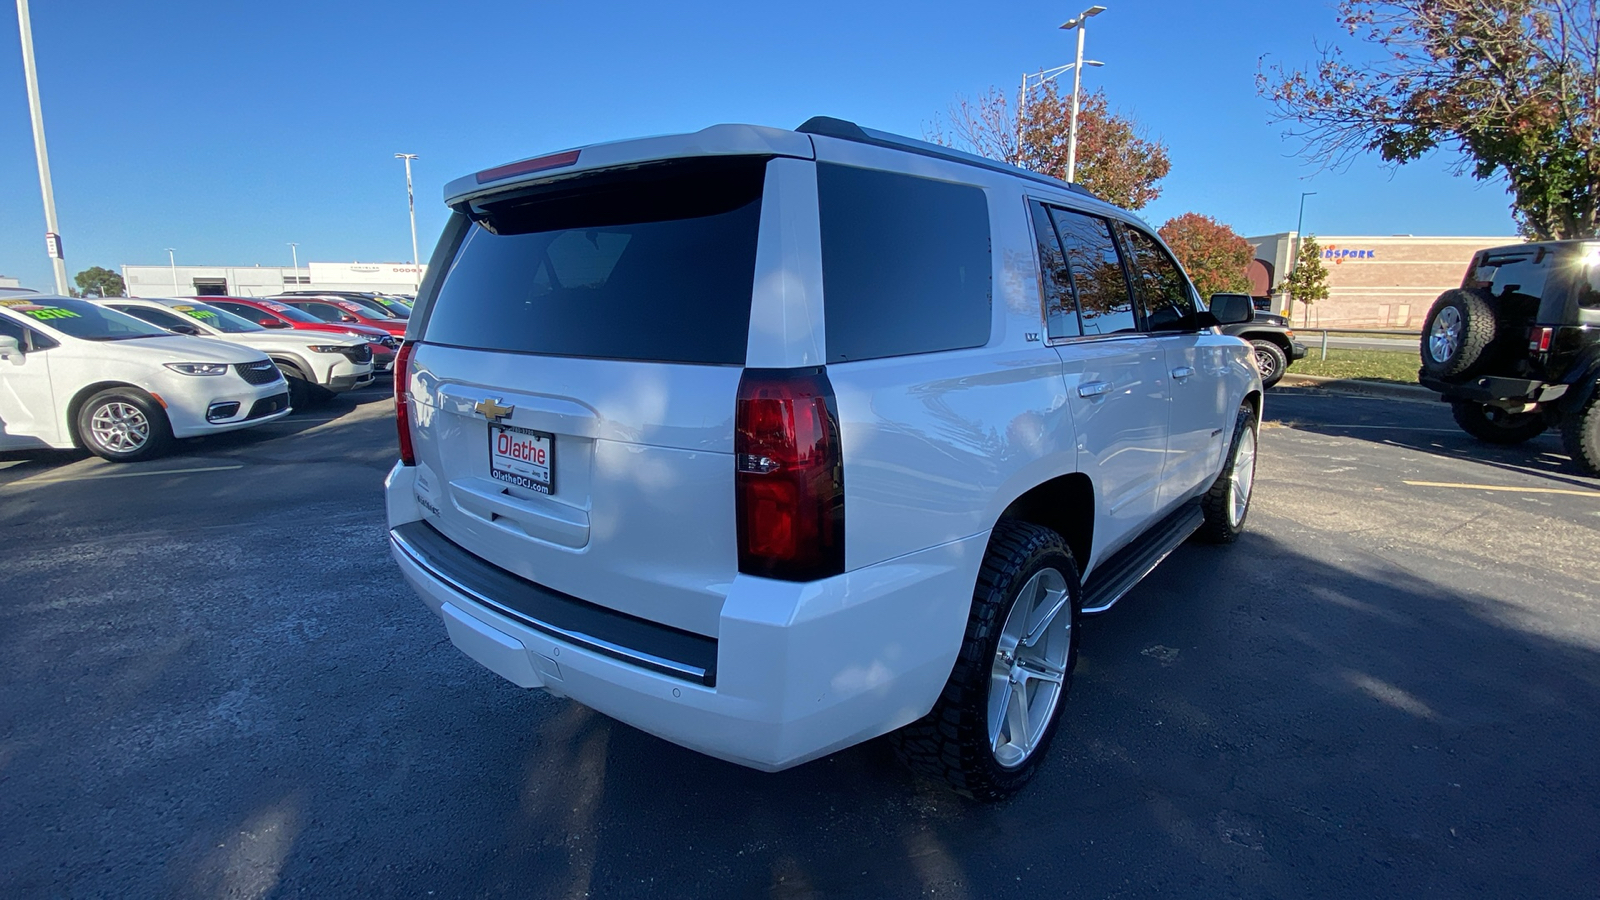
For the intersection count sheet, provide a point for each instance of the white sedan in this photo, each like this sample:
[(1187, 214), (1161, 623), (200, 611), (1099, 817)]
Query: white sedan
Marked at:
[(75, 374)]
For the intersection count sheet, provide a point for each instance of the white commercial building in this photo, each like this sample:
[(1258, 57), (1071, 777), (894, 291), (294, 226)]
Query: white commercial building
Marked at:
[(261, 281), (6, 281)]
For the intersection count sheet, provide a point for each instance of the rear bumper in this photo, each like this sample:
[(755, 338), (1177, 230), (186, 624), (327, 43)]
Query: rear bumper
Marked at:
[(1495, 390), (800, 670)]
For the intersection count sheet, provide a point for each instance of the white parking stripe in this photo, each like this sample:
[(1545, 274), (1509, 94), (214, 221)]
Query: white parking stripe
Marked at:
[(44, 479)]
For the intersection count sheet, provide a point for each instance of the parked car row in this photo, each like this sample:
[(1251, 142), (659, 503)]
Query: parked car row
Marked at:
[(122, 377)]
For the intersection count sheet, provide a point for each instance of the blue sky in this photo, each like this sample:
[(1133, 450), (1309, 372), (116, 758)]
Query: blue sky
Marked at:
[(226, 130)]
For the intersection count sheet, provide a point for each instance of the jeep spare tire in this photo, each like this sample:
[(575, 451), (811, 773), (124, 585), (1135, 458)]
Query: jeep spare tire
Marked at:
[(1457, 334)]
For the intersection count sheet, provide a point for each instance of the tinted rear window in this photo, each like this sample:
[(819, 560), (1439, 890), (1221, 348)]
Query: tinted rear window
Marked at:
[(905, 263), (654, 264)]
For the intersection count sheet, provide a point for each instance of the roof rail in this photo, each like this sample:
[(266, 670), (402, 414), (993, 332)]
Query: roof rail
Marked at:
[(845, 130)]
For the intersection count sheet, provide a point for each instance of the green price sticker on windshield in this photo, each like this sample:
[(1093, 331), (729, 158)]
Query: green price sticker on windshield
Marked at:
[(52, 312)]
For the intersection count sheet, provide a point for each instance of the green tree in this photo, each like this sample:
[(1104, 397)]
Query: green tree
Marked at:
[(1512, 86), (1308, 280), (99, 282), (1115, 161), (1213, 254)]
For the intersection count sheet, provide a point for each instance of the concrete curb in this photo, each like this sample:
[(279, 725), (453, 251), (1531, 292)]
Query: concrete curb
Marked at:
[(1415, 393)]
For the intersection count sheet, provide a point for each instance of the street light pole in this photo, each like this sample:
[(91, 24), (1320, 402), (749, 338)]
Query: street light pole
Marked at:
[(52, 229), (1299, 226), (294, 254), (411, 203), (173, 262), (1080, 23)]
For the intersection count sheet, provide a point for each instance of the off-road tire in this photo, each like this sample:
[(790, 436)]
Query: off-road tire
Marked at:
[(1496, 426), (952, 742), (1580, 432), (1217, 504), (159, 429), (1271, 361), (1477, 334)]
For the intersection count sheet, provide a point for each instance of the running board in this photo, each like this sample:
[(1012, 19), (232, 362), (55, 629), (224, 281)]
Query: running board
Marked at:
[(1128, 566)]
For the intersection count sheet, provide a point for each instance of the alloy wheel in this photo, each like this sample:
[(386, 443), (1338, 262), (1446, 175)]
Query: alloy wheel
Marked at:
[(1444, 338), (1243, 478), (119, 427), (1030, 667)]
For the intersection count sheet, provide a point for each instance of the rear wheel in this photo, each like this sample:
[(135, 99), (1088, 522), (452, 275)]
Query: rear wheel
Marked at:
[(1271, 360), (1457, 334), (993, 722), (123, 425), (1493, 425), (1580, 432)]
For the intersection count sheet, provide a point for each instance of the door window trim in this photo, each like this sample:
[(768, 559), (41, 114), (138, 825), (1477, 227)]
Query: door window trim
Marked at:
[(1122, 258)]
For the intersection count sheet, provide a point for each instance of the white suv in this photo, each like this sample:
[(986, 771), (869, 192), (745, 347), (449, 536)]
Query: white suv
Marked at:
[(75, 374), (315, 365), (770, 442)]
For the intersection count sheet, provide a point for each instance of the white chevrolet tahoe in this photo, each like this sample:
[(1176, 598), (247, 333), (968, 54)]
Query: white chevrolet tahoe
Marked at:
[(75, 374), (770, 442), (315, 365)]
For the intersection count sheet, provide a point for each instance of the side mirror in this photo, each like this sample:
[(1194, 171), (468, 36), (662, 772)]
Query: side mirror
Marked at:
[(186, 329), (1232, 309), (346, 317), (10, 349), (269, 322)]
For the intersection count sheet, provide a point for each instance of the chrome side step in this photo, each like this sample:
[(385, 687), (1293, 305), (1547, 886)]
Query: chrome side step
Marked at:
[(1128, 566)]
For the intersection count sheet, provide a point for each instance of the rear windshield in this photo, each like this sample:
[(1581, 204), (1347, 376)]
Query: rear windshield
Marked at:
[(82, 319), (656, 264)]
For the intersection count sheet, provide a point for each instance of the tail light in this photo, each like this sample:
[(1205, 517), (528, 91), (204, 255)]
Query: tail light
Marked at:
[(402, 403), (789, 475), (1539, 339)]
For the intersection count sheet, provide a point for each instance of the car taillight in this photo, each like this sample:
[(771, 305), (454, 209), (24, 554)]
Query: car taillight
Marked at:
[(402, 404), (789, 475), (1539, 339)]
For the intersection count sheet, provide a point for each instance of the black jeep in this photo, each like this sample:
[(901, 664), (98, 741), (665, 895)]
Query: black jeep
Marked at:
[(1273, 341), (1516, 349)]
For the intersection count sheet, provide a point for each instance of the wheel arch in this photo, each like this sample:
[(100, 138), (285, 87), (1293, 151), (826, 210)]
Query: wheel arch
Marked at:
[(1274, 337), (75, 405), (279, 357), (1066, 505)]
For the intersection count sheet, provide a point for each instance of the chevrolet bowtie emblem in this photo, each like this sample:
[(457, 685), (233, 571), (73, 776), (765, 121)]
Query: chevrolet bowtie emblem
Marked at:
[(491, 409)]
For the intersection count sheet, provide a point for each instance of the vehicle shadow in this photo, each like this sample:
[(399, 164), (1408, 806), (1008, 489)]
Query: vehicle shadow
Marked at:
[(1255, 722)]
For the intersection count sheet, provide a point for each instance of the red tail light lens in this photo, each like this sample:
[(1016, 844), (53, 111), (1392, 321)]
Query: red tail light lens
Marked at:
[(789, 475), (529, 166), (1539, 339), (402, 403)]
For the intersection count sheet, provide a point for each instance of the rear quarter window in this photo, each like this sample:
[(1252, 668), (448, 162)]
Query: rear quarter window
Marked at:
[(905, 264)]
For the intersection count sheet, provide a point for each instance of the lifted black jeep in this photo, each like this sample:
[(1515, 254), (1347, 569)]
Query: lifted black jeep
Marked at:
[(1273, 341), (1516, 349)]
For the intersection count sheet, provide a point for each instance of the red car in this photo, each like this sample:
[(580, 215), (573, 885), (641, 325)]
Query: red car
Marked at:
[(272, 314), (339, 309)]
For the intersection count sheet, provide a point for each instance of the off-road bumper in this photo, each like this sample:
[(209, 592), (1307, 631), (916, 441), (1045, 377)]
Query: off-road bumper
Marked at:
[(1495, 390)]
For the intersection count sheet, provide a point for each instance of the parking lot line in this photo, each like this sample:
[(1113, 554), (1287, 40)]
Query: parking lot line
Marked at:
[(1504, 487), (39, 479), (1394, 428)]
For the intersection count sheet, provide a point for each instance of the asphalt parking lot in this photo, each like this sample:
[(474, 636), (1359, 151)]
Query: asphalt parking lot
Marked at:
[(214, 683)]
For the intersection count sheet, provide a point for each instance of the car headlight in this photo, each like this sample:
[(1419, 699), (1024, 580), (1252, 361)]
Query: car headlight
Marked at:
[(327, 348), (199, 368)]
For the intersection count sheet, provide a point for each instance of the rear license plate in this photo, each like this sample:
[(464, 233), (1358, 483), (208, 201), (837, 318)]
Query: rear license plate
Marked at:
[(521, 456)]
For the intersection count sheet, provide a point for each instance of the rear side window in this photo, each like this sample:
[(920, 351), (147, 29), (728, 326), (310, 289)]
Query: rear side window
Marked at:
[(327, 312), (654, 264), (156, 317), (905, 264), (1163, 292), (1104, 306)]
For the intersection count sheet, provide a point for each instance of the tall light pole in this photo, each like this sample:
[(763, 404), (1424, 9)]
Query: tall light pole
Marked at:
[(412, 204), (1294, 260), (31, 75), (1078, 23), (173, 262), (294, 254)]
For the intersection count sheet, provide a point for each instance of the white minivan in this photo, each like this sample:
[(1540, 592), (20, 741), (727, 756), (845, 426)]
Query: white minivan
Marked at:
[(75, 374), (770, 442)]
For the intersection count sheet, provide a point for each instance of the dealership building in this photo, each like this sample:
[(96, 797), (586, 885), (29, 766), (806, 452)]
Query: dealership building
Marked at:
[(1373, 282), (261, 281)]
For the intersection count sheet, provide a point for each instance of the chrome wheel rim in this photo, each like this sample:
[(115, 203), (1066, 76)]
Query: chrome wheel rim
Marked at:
[(1243, 477), (119, 427), (1265, 363), (1444, 338), (1030, 667)]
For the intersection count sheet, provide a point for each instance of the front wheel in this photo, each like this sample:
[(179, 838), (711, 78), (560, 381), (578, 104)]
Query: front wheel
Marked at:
[(993, 722), (123, 425), (1227, 503), (1271, 361), (1496, 426)]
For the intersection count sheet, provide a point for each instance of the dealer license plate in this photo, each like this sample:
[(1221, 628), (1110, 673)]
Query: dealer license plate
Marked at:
[(521, 456)]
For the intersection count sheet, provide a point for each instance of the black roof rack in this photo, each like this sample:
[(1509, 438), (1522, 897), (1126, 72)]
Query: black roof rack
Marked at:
[(827, 126)]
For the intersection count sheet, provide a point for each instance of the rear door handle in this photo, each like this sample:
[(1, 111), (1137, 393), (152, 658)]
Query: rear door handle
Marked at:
[(1094, 389), (1183, 372)]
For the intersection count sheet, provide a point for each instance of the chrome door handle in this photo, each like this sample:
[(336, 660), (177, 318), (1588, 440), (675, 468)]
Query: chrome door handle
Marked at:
[(1094, 389), (1183, 372)]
